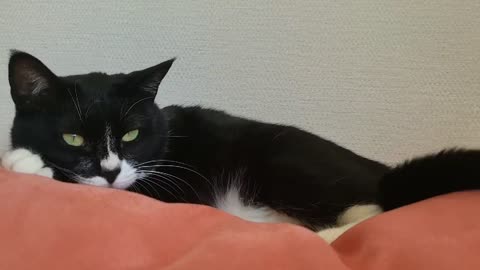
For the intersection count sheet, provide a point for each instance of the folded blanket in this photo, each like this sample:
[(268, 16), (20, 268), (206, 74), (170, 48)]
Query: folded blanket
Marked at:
[(46, 224)]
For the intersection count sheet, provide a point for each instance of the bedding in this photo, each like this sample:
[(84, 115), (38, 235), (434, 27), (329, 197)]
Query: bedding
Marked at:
[(46, 224)]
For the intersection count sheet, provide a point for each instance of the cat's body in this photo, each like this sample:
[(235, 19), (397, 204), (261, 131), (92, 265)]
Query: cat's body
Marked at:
[(106, 131), (275, 166)]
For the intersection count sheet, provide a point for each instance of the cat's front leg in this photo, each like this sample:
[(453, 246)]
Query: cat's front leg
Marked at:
[(24, 161)]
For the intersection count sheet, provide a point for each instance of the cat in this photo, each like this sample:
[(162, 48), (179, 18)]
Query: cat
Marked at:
[(107, 131)]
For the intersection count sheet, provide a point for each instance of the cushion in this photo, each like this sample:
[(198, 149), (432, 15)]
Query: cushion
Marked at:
[(46, 224)]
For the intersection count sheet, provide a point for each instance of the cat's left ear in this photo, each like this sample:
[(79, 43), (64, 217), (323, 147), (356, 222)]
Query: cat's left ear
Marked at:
[(148, 80)]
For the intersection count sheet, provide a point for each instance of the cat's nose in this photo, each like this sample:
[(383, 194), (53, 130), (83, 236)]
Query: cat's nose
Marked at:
[(110, 175)]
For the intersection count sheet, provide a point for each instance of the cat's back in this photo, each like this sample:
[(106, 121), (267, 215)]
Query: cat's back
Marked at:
[(179, 115), (214, 124)]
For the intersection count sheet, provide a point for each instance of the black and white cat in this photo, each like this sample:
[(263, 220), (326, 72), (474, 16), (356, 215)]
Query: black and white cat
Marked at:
[(106, 130)]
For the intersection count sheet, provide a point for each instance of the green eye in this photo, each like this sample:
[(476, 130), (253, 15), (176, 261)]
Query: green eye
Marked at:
[(130, 136), (73, 139)]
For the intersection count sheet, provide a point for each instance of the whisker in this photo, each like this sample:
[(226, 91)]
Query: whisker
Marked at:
[(64, 170), (162, 160), (142, 186), (179, 167), (133, 187), (75, 104), (147, 182), (166, 175), (87, 111), (162, 177), (78, 102), (160, 186), (133, 105)]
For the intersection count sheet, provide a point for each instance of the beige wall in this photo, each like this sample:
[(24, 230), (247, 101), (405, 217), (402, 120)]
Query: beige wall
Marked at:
[(388, 79)]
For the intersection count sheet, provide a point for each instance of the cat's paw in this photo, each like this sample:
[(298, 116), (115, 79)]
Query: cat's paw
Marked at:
[(331, 234), (24, 161)]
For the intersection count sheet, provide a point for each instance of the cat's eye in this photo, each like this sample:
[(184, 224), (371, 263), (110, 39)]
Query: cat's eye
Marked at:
[(130, 136), (73, 139)]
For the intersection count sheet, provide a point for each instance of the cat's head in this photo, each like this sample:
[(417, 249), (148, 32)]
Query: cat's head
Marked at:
[(95, 128)]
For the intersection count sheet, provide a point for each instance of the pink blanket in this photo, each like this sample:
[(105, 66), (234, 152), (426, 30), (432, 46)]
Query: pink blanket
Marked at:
[(51, 225)]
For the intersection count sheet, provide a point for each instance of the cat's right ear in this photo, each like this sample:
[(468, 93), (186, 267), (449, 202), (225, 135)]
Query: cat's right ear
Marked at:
[(32, 84), (146, 82)]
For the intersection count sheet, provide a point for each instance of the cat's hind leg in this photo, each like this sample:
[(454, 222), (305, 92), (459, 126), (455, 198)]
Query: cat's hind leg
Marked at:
[(349, 218)]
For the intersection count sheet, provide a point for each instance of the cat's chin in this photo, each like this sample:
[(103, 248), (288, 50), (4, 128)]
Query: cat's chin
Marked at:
[(98, 181), (123, 184)]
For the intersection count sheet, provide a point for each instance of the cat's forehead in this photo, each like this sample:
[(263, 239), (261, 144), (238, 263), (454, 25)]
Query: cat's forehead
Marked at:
[(94, 84), (96, 98)]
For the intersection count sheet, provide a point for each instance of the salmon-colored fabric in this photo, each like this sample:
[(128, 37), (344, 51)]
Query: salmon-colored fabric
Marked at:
[(46, 224)]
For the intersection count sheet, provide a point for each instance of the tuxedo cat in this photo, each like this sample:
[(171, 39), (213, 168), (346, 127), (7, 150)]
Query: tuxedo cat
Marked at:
[(106, 130)]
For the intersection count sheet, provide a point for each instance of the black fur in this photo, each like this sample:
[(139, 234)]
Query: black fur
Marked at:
[(429, 176), (286, 168), (42, 118), (283, 167)]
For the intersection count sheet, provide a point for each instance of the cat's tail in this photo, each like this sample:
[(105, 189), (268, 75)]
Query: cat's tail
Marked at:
[(429, 176)]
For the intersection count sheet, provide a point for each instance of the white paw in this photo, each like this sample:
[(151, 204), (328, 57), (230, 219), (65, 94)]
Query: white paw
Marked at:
[(348, 219), (358, 213), (23, 161), (331, 234)]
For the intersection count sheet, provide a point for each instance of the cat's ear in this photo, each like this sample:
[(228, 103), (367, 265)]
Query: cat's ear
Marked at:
[(148, 80), (31, 82)]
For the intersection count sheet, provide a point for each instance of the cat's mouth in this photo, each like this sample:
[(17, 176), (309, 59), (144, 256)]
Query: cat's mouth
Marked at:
[(99, 181), (122, 178)]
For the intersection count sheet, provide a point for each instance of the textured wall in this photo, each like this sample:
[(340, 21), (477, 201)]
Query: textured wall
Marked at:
[(388, 79)]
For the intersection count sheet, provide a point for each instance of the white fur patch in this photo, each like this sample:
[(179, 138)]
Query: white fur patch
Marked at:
[(231, 202), (97, 181), (358, 213), (348, 219), (127, 176), (38, 82), (331, 234), (24, 161), (112, 161)]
